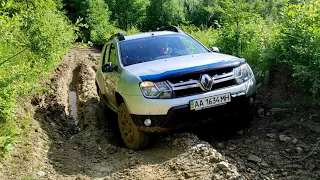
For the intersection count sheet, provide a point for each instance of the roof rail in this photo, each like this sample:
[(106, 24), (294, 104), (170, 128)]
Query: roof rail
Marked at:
[(170, 28), (119, 36)]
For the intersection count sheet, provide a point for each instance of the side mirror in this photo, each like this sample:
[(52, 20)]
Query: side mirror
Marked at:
[(214, 49), (109, 68)]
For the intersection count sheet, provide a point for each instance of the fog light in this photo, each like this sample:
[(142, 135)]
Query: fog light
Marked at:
[(147, 122)]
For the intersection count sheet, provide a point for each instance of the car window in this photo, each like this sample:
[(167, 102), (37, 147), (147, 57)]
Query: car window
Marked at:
[(158, 47), (106, 55), (190, 46), (113, 55)]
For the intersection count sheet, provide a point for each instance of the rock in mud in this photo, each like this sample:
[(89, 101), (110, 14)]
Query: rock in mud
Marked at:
[(186, 140), (299, 150), (224, 166), (264, 164), (264, 172), (41, 174), (284, 138), (232, 147), (254, 158), (277, 110), (271, 135), (221, 145), (260, 112), (295, 140)]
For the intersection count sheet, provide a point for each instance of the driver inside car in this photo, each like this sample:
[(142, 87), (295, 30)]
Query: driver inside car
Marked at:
[(163, 49)]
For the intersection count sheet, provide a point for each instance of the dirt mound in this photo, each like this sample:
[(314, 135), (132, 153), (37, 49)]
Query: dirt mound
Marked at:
[(197, 160)]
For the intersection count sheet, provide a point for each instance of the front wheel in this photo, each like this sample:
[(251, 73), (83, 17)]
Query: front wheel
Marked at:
[(131, 135)]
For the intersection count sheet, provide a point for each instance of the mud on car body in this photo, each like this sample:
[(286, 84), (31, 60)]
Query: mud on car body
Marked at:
[(166, 79)]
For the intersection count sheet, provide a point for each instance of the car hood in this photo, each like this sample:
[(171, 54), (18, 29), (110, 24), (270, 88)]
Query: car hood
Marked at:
[(164, 68)]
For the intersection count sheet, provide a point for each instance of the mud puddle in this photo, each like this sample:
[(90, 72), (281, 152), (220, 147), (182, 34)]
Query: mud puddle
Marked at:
[(73, 106)]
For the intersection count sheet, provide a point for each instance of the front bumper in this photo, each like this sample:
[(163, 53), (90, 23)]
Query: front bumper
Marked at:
[(182, 116), (139, 105)]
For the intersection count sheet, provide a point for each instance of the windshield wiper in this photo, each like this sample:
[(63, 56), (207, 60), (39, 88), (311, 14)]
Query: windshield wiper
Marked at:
[(139, 62)]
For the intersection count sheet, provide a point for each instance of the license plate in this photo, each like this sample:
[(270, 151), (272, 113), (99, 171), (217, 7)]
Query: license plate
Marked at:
[(207, 102)]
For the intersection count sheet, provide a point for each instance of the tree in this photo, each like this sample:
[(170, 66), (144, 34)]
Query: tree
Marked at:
[(163, 13), (76, 8), (128, 13), (98, 19)]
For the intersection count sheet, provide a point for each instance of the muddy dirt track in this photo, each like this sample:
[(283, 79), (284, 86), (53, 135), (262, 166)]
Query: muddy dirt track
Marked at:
[(75, 139)]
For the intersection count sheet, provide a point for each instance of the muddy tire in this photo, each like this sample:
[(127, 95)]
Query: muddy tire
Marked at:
[(132, 137)]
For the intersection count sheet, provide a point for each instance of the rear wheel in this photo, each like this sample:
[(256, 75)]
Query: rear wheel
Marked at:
[(131, 135)]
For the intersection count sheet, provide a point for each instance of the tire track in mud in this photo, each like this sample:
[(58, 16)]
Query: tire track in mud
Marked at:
[(86, 150), (87, 145)]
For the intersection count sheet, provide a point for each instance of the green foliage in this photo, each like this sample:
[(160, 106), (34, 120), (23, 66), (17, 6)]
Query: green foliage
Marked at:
[(207, 37), (92, 18), (34, 36), (238, 29), (5, 144), (76, 9), (298, 44), (128, 13), (98, 21), (163, 13), (245, 34)]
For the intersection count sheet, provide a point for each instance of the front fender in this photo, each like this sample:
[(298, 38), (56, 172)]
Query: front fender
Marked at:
[(128, 84)]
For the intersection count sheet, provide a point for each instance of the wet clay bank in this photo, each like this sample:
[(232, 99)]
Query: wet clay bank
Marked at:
[(75, 139)]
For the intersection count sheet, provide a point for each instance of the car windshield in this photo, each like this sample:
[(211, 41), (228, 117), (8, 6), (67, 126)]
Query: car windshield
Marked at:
[(158, 47)]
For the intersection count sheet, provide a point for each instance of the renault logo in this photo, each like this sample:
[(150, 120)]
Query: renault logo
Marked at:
[(206, 82)]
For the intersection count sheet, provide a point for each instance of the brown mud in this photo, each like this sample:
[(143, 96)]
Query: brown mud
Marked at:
[(73, 138)]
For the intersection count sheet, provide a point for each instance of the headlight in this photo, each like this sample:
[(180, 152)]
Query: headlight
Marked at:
[(155, 90), (242, 73)]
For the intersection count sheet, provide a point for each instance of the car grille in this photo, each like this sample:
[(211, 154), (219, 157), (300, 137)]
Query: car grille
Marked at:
[(189, 84), (187, 92), (223, 84), (196, 76)]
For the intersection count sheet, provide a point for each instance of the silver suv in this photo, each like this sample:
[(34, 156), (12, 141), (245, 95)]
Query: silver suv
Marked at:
[(163, 80)]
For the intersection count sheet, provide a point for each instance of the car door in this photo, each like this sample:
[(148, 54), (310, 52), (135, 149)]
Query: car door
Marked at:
[(113, 77)]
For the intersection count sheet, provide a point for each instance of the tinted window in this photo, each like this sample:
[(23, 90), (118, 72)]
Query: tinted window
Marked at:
[(158, 47), (113, 55)]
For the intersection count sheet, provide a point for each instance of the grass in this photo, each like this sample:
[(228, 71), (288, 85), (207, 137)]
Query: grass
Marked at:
[(308, 102), (20, 160)]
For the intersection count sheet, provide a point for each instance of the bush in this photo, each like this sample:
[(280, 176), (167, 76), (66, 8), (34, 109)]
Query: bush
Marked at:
[(98, 21), (298, 44), (34, 36), (246, 34), (207, 37), (92, 18)]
